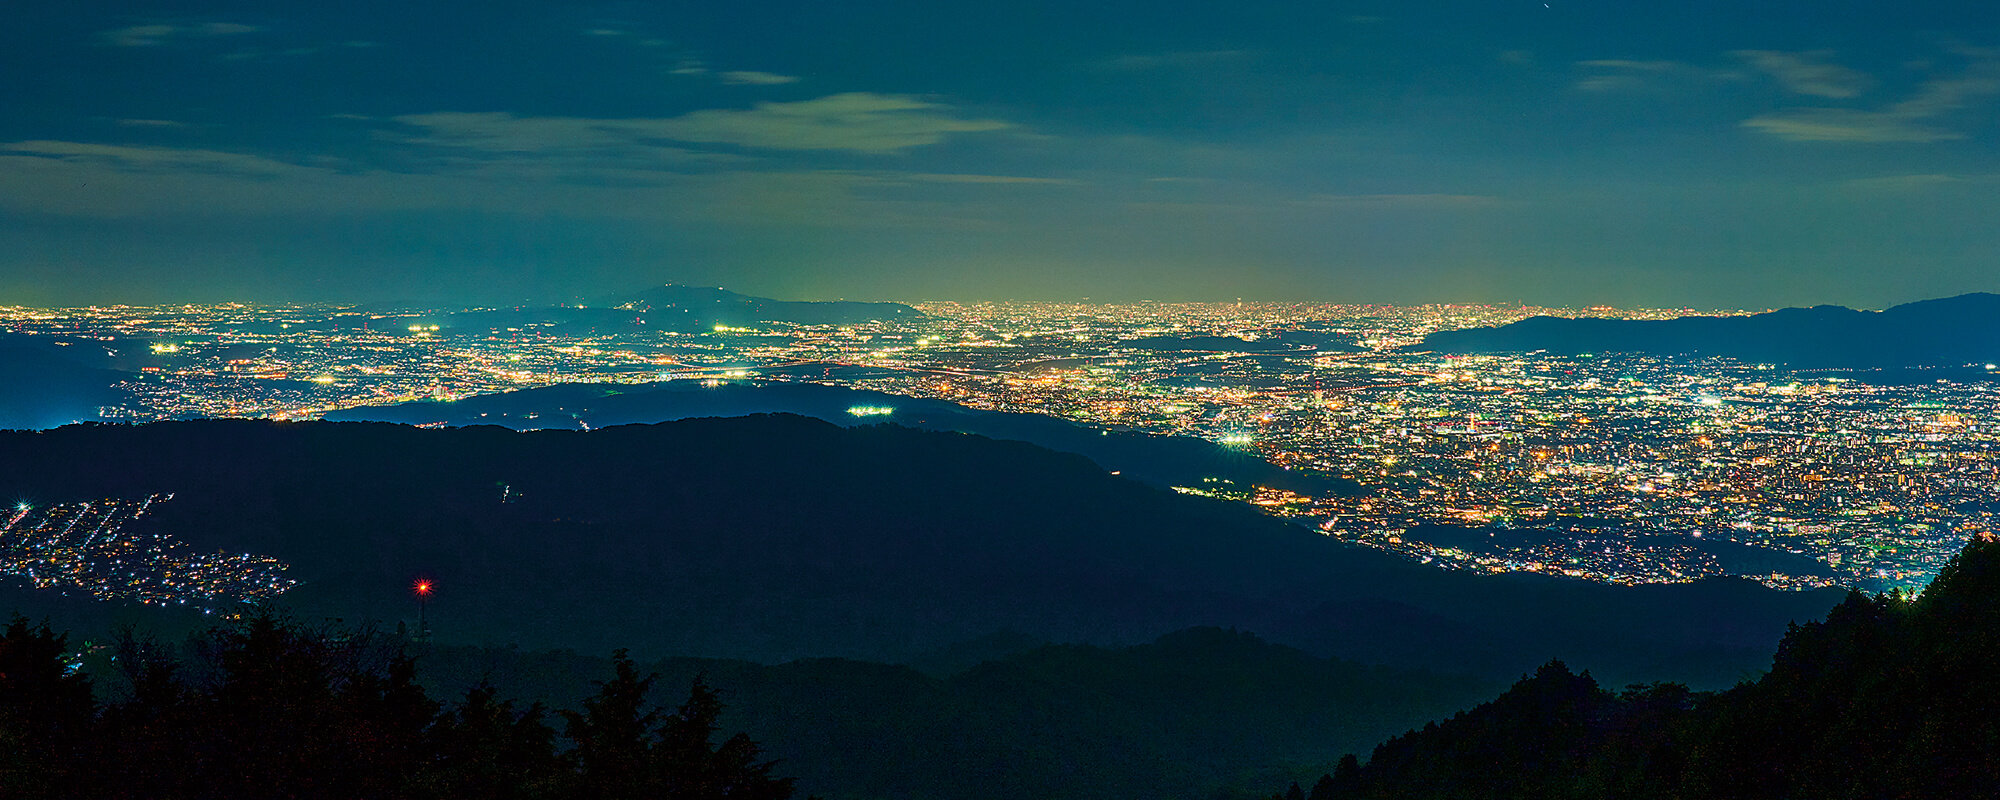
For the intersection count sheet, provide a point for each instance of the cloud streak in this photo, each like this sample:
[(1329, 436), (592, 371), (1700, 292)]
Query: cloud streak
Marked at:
[(861, 122), (156, 160), (1908, 121), (1847, 125), (1809, 73), (1621, 74), (754, 78), (157, 35)]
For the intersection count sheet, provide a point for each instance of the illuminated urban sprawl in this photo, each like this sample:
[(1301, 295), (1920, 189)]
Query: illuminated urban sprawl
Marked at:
[(1620, 468), (88, 546)]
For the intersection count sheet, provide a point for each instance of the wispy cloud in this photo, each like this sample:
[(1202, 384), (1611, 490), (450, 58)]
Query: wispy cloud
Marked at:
[(596, 143), (1809, 73), (990, 179), (1618, 74), (1952, 94), (1634, 65), (1902, 183), (857, 121), (156, 35), (1907, 121), (1846, 125), (753, 78), (155, 159), (1402, 201), (110, 181)]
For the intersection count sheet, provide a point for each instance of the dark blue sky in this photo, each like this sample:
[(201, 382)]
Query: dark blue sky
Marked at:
[(1696, 153)]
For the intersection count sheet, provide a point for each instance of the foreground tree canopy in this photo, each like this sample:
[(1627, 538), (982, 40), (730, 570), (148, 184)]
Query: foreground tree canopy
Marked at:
[(1887, 697), (267, 707)]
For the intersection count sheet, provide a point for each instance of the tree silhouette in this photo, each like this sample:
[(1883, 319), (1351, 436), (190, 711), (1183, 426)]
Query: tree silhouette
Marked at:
[(623, 749), (484, 748), (46, 712), (613, 733)]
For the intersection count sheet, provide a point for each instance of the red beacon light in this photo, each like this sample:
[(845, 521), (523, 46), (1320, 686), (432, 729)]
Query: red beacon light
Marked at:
[(422, 589)]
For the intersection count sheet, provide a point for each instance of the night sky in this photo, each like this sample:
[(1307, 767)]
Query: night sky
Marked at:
[(1710, 154)]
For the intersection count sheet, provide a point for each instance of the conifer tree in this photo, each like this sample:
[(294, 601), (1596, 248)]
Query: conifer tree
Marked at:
[(46, 712)]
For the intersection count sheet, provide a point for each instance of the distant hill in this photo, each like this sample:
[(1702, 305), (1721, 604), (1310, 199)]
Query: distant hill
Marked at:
[(1162, 460), (1949, 332), (42, 387), (725, 307), (777, 537)]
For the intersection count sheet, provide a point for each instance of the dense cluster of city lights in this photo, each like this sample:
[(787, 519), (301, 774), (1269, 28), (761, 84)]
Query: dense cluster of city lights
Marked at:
[(1621, 468)]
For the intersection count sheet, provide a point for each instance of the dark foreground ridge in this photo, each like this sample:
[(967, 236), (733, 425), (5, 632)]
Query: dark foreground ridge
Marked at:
[(270, 708), (1885, 698), (1948, 332), (1184, 716), (771, 538)]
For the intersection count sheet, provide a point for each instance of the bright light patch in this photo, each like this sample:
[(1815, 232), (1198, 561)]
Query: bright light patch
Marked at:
[(1237, 438), (871, 411)]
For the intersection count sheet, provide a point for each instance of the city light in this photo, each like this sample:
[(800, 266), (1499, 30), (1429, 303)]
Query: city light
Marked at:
[(1856, 477)]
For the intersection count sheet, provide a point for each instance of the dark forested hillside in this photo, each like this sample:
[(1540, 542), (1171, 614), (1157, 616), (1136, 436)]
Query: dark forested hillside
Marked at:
[(1884, 698), (778, 537), (269, 707), (1194, 711)]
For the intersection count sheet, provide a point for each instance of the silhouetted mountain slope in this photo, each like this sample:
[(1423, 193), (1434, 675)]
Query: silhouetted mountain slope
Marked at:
[(775, 537), (1947, 332), (1161, 460), (41, 389), (1884, 698), (1180, 716)]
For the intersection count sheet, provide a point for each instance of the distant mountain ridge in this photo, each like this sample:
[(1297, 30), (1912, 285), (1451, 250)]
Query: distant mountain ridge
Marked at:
[(1160, 460), (730, 308), (1947, 332), (46, 381)]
